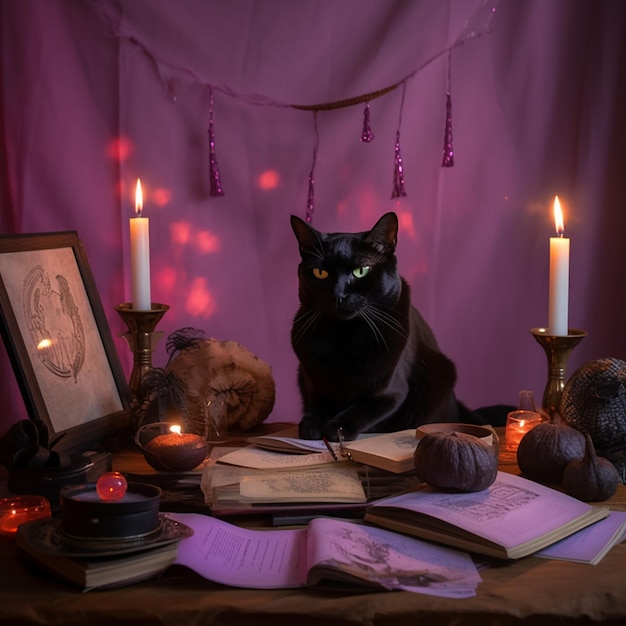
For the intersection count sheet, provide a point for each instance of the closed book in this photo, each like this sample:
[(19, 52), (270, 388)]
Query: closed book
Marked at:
[(392, 452), (106, 572), (101, 563)]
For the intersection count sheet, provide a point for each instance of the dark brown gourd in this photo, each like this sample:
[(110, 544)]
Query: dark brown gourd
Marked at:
[(591, 478), (456, 461), (545, 450)]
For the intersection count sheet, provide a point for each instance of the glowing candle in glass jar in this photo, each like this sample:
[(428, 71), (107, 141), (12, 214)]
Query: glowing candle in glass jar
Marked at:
[(518, 423), (176, 451), (559, 277), (140, 255), (18, 510)]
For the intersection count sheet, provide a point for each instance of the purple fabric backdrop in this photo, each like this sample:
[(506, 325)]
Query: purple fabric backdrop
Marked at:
[(98, 93)]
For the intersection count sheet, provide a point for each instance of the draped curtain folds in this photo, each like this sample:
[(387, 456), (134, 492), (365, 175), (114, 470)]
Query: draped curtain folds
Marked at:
[(97, 93)]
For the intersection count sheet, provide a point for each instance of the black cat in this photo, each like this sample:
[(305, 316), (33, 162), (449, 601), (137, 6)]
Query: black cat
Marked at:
[(368, 360)]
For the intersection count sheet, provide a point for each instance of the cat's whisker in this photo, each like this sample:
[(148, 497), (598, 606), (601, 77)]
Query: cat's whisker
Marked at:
[(303, 324), (378, 335), (387, 319)]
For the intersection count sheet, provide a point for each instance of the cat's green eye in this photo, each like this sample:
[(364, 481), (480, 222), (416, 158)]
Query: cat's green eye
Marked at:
[(360, 272), (318, 272)]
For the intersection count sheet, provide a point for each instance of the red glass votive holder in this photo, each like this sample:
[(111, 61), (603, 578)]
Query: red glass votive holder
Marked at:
[(17, 510)]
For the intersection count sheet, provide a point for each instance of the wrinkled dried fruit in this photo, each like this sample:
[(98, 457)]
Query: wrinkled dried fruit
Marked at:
[(456, 461), (591, 478), (545, 450)]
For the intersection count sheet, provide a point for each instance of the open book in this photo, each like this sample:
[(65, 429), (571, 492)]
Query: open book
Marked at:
[(291, 496), (327, 553), (392, 452), (513, 518), (337, 482)]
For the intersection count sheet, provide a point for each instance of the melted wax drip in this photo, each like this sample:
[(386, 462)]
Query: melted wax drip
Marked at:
[(398, 172), (216, 183), (367, 135), (448, 152)]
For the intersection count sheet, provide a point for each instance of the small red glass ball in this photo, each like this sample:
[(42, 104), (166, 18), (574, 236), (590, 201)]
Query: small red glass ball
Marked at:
[(111, 486)]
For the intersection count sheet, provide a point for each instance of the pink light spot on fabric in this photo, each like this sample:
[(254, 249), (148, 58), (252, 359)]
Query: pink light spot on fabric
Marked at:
[(200, 301), (269, 179), (207, 242), (180, 233), (161, 196), (120, 148)]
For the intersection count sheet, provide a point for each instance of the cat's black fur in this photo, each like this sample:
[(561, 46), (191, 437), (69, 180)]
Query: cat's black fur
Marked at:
[(369, 362)]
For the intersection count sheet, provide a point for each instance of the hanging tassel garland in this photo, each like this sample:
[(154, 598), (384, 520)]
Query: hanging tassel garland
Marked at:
[(367, 135), (214, 172), (476, 25), (310, 205), (448, 152)]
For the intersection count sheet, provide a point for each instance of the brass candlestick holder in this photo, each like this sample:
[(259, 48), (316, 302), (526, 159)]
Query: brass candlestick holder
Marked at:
[(142, 340), (558, 350)]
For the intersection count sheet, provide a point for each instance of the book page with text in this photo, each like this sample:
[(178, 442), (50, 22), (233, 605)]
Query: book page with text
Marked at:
[(325, 483), (512, 511), (230, 555)]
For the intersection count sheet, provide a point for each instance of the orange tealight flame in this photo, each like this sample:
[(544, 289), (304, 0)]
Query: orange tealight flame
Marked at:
[(138, 198), (175, 429), (558, 217)]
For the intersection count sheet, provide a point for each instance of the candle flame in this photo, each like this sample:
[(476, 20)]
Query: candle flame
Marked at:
[(558, 217), (175, 429), (138, 198)]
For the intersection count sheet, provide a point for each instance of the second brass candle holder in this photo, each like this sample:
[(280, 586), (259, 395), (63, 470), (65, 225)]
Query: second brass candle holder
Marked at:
[(558, 349), (142, 340)]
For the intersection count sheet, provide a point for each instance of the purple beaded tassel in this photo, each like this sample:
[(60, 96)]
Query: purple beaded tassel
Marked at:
[(310, 205), (398, 169), (398, 172), (216, 182), (448, 151), (367, 135)]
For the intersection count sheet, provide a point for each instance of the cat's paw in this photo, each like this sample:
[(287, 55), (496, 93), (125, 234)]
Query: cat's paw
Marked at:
[(308, 429), (334, 430)]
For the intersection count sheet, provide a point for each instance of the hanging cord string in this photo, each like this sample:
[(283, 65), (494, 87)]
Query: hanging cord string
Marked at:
[(476, 25), (165, 68)]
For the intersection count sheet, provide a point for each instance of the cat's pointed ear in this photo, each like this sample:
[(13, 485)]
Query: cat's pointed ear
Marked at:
[(384, 235), (308, 238)]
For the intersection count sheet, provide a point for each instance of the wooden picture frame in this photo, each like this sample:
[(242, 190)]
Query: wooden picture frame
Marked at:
[(58, 340)]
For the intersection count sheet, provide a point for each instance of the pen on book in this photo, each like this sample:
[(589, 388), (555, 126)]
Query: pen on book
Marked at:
[(330, 448)]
